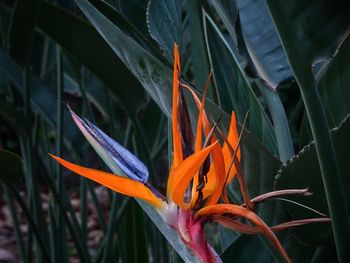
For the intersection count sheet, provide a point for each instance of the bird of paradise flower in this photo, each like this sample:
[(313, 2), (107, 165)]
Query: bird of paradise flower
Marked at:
[(198, 178)]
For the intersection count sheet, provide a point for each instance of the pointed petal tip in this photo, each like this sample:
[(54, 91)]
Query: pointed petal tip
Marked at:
[(117, 183), (53, 156), (111, 152)]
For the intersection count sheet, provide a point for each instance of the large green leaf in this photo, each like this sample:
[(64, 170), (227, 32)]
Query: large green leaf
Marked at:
[(234, 89), (303, 171), (227, 10), (91, 50), (311, 31), (264, 47), (11, 167), (153, 75), (334, 86), (135, 11), (127, 27), (164, 24), (335, 94)]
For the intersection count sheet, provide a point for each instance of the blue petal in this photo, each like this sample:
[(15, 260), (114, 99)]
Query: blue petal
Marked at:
[(112, 153), (127, 162)]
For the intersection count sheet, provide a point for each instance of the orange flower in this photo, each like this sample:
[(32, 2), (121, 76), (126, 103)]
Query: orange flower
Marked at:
[(198, 177)]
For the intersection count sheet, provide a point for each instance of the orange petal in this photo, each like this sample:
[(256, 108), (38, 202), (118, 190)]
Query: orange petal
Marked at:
[(183, 174), (170, 183), (232, 138), (177, 146), (212, 182), (116, 183), (176, 134), (221, 158), (236, 210), (198, 144), (220, 175)]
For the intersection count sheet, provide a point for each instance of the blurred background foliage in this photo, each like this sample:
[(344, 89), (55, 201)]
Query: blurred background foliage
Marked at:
[(111, 61)]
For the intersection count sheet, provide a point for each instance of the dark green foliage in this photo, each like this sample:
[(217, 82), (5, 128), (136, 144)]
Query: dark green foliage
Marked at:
[(112, 63), (303, 171), (11, 166)]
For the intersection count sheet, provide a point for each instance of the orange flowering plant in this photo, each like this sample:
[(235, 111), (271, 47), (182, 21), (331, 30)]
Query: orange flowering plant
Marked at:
[(202, 168)]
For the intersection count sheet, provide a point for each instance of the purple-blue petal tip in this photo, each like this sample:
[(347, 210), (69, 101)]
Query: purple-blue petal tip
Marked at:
[(127, 162)]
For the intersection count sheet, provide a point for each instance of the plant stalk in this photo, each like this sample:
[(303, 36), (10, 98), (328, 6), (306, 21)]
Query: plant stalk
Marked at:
[(332, 181), (27, 152), (16, 223), (61, 235), (36, 231)]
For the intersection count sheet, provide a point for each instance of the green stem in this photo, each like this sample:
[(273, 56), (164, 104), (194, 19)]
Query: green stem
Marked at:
[(97, 205), (16, 224), (59, 130), (159, 134), (83, 207), (158, 149), (60, 237), (71, 221), (332, 181), (87, 110), (83, 181), (280, 121), (27, 152), (44, 58), (52, 214), (36, 231), (54, 249), (114, 219)]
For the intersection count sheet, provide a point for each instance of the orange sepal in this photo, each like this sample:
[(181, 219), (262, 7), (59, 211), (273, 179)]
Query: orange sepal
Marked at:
[(114, 182), (183, 174)]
